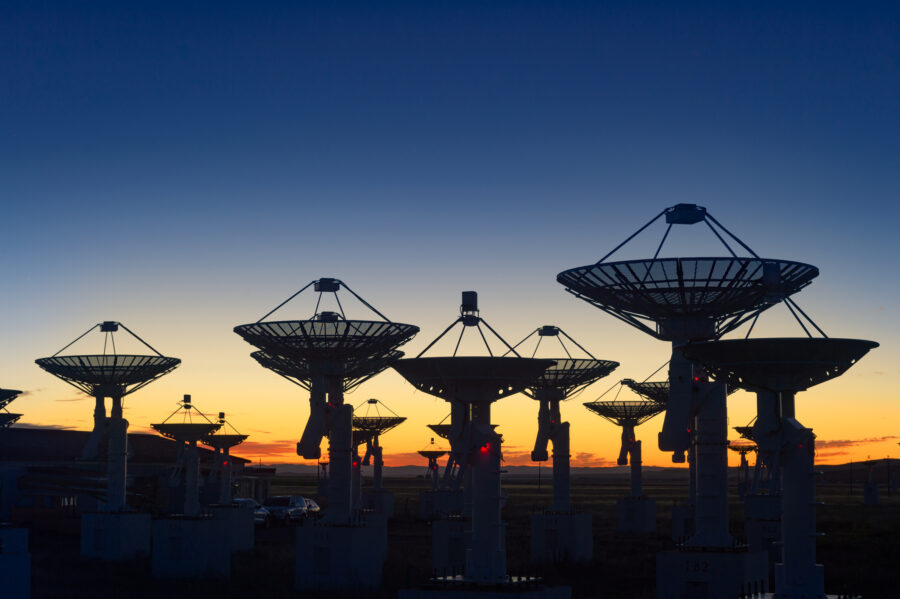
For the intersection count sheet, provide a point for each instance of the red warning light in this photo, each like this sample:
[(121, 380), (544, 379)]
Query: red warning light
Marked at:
[(485, 448)]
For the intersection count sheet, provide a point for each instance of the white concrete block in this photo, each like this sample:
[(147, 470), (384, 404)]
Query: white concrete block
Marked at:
[(115, 536), (557, 538), (191, 548), (710, 573), (636, 514), (340, 557), (237, 522)]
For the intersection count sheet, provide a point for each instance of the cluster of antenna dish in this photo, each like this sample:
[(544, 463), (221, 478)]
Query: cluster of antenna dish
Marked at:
[(690, 302)]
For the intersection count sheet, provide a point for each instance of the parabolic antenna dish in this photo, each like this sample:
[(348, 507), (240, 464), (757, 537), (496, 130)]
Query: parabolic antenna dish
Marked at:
[(225, 441), (299, 371), (778, 364), (443, 430), (7, 419), (126, 373), (326, 339), (186, 431), (7, 395), (671, 289), (377, 425), (746, 432), (471, 378), (742, 446), (655, 391), (568, 374), (432, 453), (620, 412)]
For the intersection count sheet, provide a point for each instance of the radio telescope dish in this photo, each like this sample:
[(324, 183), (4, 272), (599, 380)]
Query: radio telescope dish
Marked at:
[(778, 364), (7, 396)]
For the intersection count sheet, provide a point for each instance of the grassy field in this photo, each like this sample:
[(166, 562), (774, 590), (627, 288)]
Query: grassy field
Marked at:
[(860, 548)]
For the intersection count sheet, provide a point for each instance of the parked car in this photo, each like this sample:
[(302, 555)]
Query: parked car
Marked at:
[(312, 508), (261, 516), (286, 509)]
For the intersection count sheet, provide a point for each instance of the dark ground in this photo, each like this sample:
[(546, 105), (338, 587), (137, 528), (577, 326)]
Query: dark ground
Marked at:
[(860, 548)]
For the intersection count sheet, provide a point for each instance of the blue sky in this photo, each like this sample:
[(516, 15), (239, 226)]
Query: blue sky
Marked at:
[(184, 166)]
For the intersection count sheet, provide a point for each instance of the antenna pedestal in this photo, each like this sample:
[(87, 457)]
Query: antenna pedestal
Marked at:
[(712, 470), (798, 575), (377, 499), (355, 482), (561, 491), (92, 445), (340, 460), (635, 513)]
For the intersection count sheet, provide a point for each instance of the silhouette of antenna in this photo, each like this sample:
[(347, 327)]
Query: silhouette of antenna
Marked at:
[(7, 396), (110, 375), (222, 441), (636, 513), (329, 354), (183, 427), (777, 369), (370, 424), (471, 384), (681, 300), (569, 375)]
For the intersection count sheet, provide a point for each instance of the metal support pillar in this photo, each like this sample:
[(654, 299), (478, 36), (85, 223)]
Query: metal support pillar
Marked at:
[(116, 464), (798, 576), (225, 490), (377, 466), (340, 453), (711, 528), (486, 559), (637, 488), (191, 480), (92, 446), (561, 492)]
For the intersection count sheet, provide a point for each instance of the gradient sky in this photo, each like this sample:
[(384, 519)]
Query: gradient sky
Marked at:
[(185, 167)]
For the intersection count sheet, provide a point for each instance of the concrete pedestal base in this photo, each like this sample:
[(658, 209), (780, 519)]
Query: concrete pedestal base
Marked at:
[(237, 523), (870, 494), (439, 504), (763, 524), (557, 538), (115, 537), (193, 548), (340, 558), (458, 588), (682, 522), (636, 514), (15, 563), (710, 573), (380, 502), (449, 542)]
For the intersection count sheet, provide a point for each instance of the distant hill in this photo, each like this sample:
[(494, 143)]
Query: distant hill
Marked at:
[(510, 471)]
